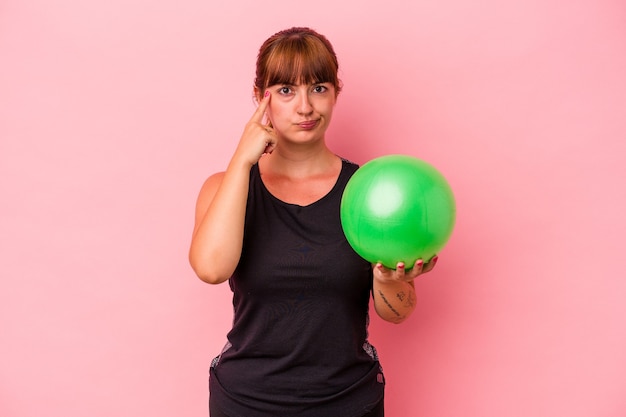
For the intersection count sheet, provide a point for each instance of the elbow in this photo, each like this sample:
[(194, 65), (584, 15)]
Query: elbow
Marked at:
[(209, 277), (207, 274)]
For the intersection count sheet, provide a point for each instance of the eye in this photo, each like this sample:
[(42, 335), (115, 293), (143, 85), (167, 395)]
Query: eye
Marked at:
[(284, 90), (320, 88)]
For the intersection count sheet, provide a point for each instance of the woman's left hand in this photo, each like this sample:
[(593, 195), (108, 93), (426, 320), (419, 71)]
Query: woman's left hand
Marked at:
[(401, 273)]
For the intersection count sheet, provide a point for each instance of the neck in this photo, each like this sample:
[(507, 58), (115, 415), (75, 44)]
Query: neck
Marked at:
[(298, 161)]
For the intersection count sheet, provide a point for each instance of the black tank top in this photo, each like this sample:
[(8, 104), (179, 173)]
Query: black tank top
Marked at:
[(298, 345)]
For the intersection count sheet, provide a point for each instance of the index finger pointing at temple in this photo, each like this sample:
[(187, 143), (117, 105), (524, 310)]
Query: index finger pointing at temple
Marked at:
[(260, 111)]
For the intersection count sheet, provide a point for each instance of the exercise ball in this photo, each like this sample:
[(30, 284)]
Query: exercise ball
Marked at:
[(397, 208)]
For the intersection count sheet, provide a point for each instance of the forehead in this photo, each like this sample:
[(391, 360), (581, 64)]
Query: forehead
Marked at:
[(297, 66), (302, 84)]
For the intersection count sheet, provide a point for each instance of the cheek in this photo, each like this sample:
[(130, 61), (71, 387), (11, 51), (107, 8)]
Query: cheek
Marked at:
[(275, 111), (271, 117), (328, 109), (327, 105)]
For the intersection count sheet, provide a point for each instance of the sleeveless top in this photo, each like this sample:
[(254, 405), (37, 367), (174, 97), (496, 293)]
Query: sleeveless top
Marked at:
[(298, 345)]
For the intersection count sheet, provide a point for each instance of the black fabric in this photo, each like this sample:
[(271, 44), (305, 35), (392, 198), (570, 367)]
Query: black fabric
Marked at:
[(377, 411), (298, 346)]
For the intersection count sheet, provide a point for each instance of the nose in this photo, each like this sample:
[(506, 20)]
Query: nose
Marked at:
[(304, 105)]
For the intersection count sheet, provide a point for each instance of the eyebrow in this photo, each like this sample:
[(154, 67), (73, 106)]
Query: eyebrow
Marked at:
[(289, 84)]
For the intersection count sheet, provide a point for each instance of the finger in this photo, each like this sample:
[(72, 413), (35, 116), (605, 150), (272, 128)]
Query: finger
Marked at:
[(270, 145), (260, 111), (270, 141), (382, 269), (431, 264), (418, 268), (400, 270)]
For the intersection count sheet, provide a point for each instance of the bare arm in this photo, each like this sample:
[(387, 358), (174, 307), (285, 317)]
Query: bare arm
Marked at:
[(394, 290), (221, 206)]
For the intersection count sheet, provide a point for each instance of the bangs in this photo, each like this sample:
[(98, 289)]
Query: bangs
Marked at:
[(300, 60)]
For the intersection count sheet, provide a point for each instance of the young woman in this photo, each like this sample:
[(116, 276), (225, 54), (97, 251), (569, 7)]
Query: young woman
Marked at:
[(270, 226)]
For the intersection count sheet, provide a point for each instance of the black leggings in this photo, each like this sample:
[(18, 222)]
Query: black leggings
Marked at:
[(377, 411)]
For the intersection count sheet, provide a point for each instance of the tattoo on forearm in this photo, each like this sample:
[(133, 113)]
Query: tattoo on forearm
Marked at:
[(382, 296), (409, 301)]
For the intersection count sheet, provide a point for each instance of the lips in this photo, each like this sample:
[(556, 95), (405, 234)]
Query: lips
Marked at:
[(308, 124)]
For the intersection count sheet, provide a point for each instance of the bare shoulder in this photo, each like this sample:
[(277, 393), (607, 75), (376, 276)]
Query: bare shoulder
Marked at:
[(211, 184), (207, 193)]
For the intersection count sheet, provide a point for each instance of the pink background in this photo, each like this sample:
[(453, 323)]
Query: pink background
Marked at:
[(112, 113)]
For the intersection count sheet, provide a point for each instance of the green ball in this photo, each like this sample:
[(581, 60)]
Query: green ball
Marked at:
[(397, 208)]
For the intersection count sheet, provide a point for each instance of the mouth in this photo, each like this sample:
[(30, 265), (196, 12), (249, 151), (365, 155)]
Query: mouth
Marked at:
[(308, 124)]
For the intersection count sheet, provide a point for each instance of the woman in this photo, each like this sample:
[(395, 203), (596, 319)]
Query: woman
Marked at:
[(270, 226)]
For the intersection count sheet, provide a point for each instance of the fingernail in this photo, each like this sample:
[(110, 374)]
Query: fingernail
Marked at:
[(267, 93), (419, 263), (400, 265), (434, 260)]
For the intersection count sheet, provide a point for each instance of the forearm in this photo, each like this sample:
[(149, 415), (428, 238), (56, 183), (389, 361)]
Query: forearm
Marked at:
[(217, 241), (394, 301), (221, 209)]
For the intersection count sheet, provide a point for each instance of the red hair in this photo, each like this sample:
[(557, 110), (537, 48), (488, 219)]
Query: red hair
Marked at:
[(296, 56)]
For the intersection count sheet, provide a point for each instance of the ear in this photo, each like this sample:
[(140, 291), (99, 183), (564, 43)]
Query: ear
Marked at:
[(338, 88), (256, 94)]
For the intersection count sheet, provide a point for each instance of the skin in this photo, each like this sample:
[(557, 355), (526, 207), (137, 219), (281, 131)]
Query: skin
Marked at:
[(298, 168)]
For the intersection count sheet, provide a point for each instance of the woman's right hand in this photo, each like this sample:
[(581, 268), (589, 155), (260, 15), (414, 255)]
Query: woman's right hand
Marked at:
[(217, 238), (257, 138)]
